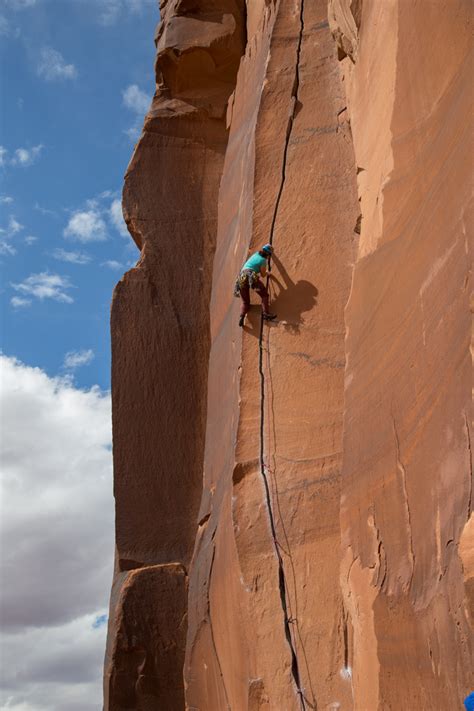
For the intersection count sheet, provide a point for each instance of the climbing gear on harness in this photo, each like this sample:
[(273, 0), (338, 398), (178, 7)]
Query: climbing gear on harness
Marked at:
[(241, 321), (245, 276), (250, 276), (269, 317), (267, 248)]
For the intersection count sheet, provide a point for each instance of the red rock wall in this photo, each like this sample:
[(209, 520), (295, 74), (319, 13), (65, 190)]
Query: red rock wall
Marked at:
[(332, 565), (407, 478)]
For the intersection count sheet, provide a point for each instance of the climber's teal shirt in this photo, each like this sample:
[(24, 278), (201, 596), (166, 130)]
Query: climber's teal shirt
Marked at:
[(255, 262)]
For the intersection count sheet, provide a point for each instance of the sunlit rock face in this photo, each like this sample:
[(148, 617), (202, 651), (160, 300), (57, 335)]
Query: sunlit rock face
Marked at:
[(407, 478), (293, 499)]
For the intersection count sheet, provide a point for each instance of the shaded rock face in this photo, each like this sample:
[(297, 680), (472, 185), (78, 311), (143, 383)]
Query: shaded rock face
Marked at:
[(160, 339), (294, 526)]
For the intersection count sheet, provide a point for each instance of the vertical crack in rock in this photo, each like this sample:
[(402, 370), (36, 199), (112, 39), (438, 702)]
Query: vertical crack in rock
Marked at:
[(468, 436), (381, 573), (294, 96), (345, 637), (403, 477), (281, 569), (228, 707)]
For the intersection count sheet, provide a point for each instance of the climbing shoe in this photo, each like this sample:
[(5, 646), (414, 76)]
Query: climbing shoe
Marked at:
[(241, 321), (269, 317)]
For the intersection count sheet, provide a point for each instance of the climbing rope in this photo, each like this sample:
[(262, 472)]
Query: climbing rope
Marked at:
[(288, 620), (281, 569)]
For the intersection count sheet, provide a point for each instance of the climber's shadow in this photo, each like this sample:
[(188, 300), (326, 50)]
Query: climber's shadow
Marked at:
[(288, 299)]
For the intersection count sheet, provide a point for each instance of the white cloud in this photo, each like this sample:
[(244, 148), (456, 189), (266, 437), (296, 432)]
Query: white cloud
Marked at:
[(112, 264), (89, 223), (44, 210), (86, 226), (63, 255), (134, 131), (136, 99), (139, 102), (7, 29), (13, 227), (52, 66), (116, 217), (112, 10), (46, 286), (26, 156), (74, 359), (6, 249), (6, 200), (18, 302), (66, 676), (19, 4), (30, 239), (4, 26), (136, 6), (57, 540), (23, 157)]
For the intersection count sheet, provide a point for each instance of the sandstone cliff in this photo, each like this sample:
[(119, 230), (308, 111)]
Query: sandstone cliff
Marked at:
[(293, 500)]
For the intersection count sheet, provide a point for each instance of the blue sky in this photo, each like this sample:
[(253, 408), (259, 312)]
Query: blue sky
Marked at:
[(76, 78)]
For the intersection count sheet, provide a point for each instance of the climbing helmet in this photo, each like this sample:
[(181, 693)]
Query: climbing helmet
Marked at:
[(267, 248)]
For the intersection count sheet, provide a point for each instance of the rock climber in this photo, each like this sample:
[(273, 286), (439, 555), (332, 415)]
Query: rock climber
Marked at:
[(249, 278)]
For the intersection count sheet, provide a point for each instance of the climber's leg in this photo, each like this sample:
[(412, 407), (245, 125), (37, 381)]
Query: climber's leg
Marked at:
[(245, 298), (262, 291)]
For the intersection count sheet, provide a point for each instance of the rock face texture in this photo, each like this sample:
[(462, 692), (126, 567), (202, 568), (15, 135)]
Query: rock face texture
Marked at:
[(294, 525)]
